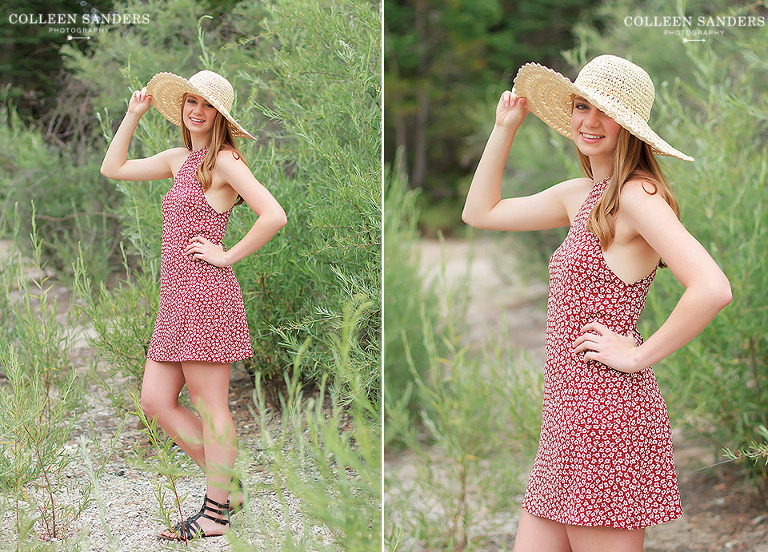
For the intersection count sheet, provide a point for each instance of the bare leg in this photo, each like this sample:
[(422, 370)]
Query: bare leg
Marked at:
[(163, 381), (535, 534), (605, 539), (208, 385)]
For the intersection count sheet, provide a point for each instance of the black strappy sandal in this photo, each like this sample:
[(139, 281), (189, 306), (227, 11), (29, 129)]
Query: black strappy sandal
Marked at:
[(190, 529)]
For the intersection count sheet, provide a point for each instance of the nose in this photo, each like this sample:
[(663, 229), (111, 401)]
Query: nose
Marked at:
[(593, 118)]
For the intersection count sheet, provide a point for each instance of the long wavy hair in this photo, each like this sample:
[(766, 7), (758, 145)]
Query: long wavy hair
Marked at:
[(221, 136), (633, 159)]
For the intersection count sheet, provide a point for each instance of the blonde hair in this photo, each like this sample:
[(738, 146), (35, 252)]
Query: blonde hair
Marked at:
[(221, 135), (633, 158)]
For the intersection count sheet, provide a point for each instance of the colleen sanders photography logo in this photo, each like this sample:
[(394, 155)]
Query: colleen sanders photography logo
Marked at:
[(688, 25), (85, 24)]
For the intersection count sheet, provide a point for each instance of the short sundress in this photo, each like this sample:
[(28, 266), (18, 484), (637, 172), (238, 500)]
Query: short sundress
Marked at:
[(605, 451), (201, 315)]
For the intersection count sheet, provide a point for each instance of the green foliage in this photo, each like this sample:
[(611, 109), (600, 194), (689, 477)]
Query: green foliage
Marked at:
[(404, 300), (122, 319), (441, 57), (480, 414), (325, 453), (321, 87), (40, 403), (711, 103), (73, 205)]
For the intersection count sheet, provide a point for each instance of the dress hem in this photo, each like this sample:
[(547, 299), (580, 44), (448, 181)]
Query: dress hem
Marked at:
[(631, 527), (188, 359)]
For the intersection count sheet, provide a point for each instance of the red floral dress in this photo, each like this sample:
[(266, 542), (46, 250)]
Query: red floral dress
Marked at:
[(201, 315), (605, 451)]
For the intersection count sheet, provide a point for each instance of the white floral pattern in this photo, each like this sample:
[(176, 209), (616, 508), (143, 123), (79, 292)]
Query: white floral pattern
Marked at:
[(605, 450), (201, 315)]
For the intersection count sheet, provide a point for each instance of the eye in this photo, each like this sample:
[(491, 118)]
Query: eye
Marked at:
[(580, 106), (208, 105), (190, 100)]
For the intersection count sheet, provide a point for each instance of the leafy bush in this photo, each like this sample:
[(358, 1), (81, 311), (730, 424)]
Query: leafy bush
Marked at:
[(326, 453), (404, 297), (479, 415), (74, 206), (40, 404)]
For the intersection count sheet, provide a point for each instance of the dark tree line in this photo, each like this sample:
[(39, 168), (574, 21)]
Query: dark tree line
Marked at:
[(440, 59)]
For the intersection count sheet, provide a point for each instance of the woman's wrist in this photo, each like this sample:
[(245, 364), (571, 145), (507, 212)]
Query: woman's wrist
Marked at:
[(640, 358)]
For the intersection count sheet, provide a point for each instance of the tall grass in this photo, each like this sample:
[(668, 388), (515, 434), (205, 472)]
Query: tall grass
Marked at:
[(40, 405), (464, 415)]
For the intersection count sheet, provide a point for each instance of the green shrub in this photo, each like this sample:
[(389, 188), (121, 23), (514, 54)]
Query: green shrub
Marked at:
[(40, 404), (73, 204), (479, 419), (326, 454), (404, 297)]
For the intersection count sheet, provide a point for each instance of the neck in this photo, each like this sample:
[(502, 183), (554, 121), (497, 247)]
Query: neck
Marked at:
[(200, 141), (601, 168)]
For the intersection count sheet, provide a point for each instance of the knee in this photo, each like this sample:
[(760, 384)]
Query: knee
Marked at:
[(153, 403), (214, 413)]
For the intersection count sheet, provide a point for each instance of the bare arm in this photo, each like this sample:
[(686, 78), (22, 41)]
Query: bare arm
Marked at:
[(271, 215), (707, 290), (484, 207), (115, 164)]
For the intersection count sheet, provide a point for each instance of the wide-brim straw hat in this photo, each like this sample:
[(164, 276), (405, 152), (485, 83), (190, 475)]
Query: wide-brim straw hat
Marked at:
[(167, 91), (616, 86)]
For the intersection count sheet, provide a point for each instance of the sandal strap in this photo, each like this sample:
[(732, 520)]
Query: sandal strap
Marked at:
[(190, 529), (193, 528), (220, 521), (220, 506), (220, 509)]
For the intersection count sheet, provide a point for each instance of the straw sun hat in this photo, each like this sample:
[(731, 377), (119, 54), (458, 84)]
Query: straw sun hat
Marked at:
[(614, 85), (167, 91)]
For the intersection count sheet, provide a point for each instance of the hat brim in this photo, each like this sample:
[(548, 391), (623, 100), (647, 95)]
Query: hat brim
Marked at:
[(550, 95), (167, 91)]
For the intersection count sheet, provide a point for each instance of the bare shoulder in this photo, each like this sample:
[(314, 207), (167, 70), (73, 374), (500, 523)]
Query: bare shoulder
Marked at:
[(231, 169), (176, 153), (575, 186), (229, 158), (572, 194), (641, 193), (175, 158)]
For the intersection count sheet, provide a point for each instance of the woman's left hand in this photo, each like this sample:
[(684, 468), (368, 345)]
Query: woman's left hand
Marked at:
[(603, 345), (203, 249)]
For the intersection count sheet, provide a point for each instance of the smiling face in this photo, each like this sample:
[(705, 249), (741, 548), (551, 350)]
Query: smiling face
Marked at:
[(594, 132), (197, 114)]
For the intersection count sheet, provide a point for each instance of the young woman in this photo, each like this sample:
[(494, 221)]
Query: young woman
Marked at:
[(201, 326), (604, 469)]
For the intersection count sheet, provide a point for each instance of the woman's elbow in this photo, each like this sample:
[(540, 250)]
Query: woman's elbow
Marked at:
[(468, 217), (280, 219), (725, 295), (719, 292)]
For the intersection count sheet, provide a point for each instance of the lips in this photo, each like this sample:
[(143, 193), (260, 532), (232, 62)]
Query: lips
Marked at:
[(591, 138), (196, 121)]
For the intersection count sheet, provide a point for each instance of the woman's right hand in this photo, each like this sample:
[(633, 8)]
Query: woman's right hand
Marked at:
[(511, 111), (139, 102)]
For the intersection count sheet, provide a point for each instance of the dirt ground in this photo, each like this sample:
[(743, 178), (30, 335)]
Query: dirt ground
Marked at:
[(722, 512)]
